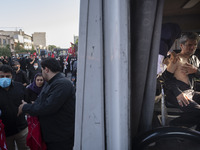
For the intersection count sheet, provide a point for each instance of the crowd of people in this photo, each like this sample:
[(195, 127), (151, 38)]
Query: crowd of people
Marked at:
[(26, 67), (36, 95)]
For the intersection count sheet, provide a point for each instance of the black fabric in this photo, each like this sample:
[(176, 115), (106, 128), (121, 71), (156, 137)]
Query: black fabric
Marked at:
[(23, 64), (9, 103), (146, 18), (31, 95), (33, 72), (21, 77), (62, 145), (174, 87), (169, 33), (55, 108)]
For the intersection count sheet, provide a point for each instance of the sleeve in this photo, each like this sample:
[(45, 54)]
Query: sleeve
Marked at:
[(195, 61), (170, 82), (27, 96), (51, 101), (25, 78), (197, 74)]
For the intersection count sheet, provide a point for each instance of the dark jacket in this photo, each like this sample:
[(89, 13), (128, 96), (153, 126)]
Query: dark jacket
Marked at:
[(9, 103), (55, 108), (31, 95), (33, 72), (21, 77)]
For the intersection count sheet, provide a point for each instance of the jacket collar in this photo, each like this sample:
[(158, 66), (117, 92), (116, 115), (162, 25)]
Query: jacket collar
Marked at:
[(57, 76)]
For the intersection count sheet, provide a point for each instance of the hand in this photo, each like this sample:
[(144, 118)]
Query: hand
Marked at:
[(182, 100), (174, 58), (20, 107), (188, 68), (172, 62)]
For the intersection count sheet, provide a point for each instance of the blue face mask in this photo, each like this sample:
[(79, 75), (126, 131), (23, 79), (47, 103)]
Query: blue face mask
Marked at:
[(5, 82)]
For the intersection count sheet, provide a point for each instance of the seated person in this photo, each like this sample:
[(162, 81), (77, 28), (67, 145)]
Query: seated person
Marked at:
[(179, 77), (177, 67), (169, 33)]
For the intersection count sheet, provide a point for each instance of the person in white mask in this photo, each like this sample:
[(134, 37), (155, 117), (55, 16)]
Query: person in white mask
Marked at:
[(34, 71)]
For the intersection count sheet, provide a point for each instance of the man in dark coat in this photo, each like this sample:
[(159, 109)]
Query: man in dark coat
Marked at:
[(19, 75), (11, 94), (55, 107)]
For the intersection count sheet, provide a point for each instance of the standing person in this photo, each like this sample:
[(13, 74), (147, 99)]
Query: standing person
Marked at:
[(34, 138), (30, 62), (65, 64), (23, 63), (33, 71), (74, 72), (34, 89), (19, 75), (12, 93), (55, 107)]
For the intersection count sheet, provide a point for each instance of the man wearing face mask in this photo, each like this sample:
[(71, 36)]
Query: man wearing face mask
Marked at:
[(11, 95), (19, 75), (33, 71)]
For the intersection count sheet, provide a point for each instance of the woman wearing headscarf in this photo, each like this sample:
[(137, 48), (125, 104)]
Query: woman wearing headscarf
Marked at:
[(34, 138), (34, 89)]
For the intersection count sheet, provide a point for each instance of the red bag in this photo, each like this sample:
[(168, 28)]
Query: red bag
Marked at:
[(34, 138), (3, 145)]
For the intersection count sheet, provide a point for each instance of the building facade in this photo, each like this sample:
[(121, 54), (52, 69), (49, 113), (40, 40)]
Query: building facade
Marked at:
[(17, 37), (39, 40), (6, 40)]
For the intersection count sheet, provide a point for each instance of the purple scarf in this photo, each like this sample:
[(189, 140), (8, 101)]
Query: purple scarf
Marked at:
[(33, 85)]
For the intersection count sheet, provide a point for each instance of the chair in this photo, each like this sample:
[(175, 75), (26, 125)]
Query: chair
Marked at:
[(167, 110)]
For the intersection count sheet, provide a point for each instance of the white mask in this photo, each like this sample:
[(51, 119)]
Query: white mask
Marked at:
[(35, 66)]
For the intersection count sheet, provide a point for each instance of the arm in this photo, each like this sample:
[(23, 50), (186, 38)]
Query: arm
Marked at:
[(168, 74), (25, 79), (192, 67), (170, 80), (32, 61), (52, 101), (170, 84)]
